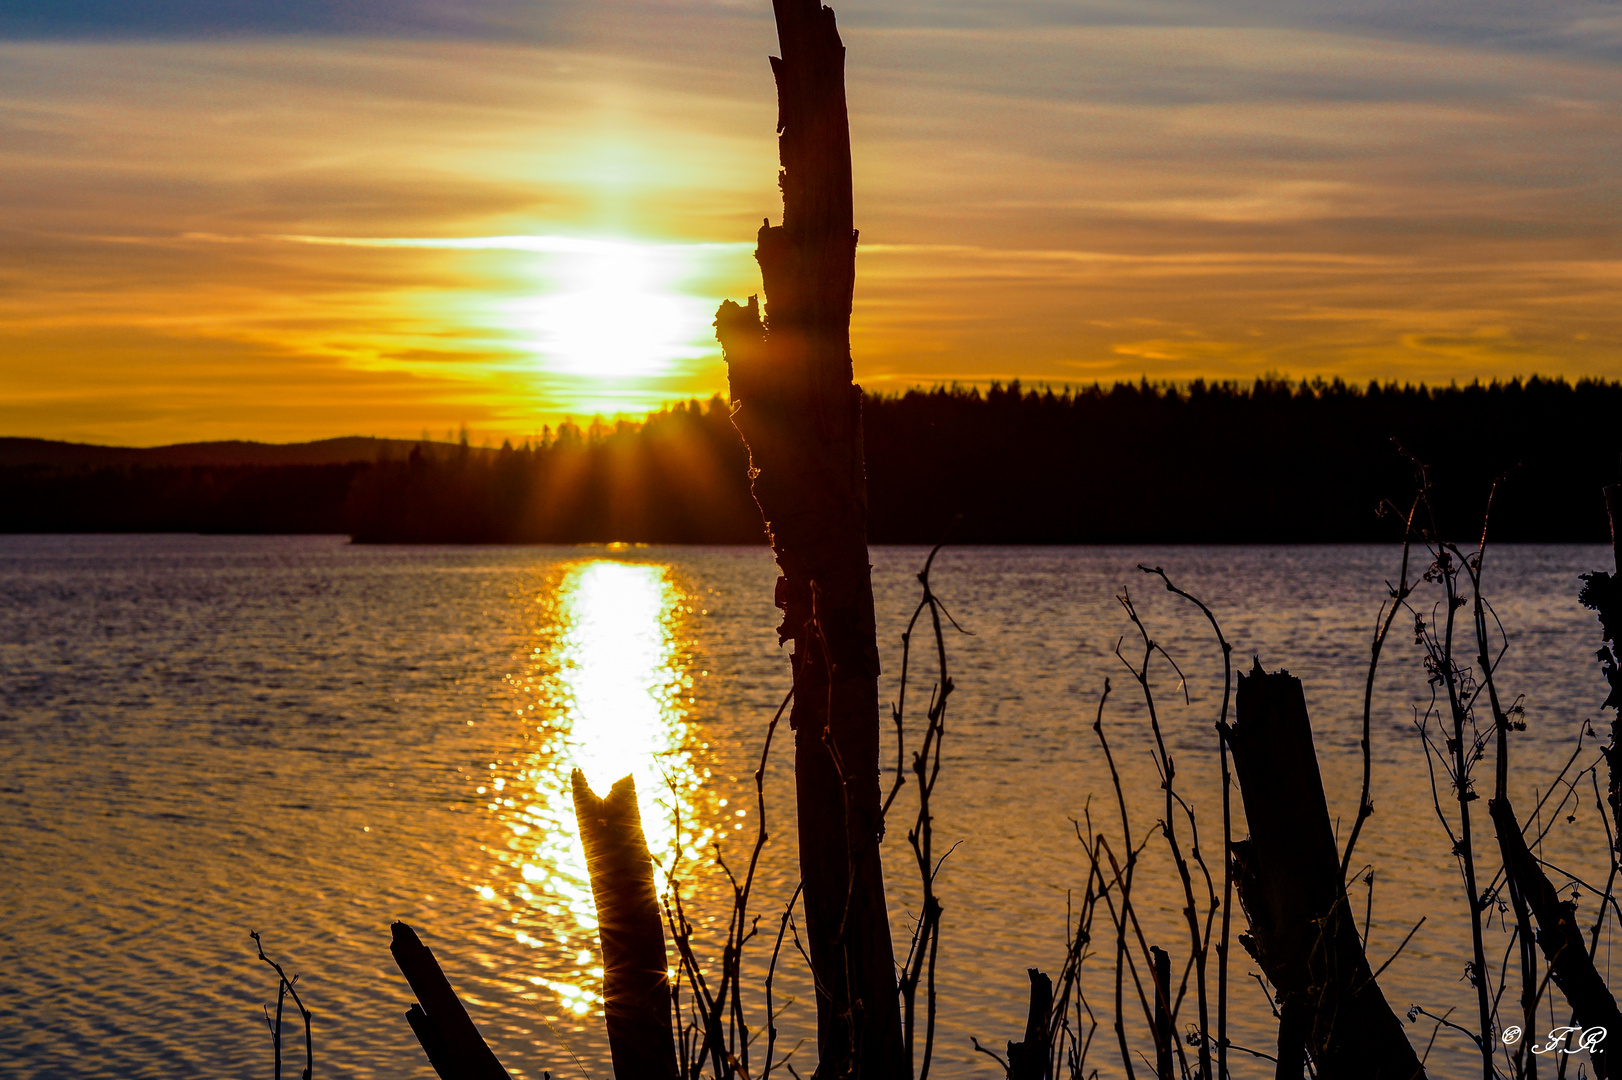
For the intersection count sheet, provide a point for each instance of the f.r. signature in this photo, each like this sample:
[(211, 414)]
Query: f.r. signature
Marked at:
[(1562, 1040)]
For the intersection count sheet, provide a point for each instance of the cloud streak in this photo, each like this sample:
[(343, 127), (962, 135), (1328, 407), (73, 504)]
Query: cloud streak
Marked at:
[(1053, 192)]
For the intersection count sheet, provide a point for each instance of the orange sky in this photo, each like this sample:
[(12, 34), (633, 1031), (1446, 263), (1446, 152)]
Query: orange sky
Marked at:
[(277, 231)]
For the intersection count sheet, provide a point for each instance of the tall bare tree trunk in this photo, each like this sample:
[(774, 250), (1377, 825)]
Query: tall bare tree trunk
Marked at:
[(1288, 876), (1613, 507), (1603, 593), (799, 412)]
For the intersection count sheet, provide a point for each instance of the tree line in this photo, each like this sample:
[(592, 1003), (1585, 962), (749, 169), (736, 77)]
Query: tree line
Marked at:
[(1268, 461)]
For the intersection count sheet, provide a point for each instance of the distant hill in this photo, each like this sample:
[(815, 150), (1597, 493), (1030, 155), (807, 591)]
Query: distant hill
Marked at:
[(351, 449)]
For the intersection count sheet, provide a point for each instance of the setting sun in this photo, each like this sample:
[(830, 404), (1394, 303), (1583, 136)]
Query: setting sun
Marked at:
[(609, 324), (617, 310)]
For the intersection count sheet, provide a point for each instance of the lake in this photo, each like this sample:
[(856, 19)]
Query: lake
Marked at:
[(203, 736)]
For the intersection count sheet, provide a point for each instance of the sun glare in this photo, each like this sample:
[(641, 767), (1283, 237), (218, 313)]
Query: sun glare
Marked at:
[(607, 689), (610, 317), (622, 684), (615, 311)]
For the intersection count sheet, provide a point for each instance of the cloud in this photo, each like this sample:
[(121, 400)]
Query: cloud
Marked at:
[(113, 19), (1045, 191)]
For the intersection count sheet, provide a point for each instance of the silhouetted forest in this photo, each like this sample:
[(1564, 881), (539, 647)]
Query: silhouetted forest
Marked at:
[(1224, 463), (1271, 461), (176, 498)]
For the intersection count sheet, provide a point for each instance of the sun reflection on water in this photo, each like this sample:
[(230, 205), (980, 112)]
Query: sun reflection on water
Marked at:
[(605, 688)]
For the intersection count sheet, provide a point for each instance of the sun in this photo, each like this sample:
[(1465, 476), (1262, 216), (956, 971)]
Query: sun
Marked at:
[(614, 310), (589, 322)]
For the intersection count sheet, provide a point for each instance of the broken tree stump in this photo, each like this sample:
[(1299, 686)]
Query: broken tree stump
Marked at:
[(1165, 1034), (1028, 1059), (799, 412), (1288, 877), (1558, 935), (636, 984), (448, 1035)]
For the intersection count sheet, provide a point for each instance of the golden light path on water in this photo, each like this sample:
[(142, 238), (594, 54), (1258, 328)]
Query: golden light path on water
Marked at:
[(607, 687)]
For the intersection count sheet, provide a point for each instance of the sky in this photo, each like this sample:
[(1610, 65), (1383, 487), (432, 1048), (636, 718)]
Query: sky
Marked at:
[(295, 219)]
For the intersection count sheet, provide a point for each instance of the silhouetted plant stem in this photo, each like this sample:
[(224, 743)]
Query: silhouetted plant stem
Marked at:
[(1067, 1045), (1609, 895), (771, 975), (1198, 941), (1466, 851), (1603, 593), (276, 1030), (1227, 814), (281, 1001), (1124, 918), (1398, 599), (1124, 884), (923, 949), (1524, 1062), (1613, 509), (286, 986), (1443, 668), (720, 1029)]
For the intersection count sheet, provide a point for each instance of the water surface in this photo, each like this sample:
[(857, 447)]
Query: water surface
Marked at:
[(200, 736)]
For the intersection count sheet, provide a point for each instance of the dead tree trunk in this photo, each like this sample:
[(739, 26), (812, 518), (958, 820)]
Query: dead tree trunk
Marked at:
[(448, 1036), (1613, 507), (1288, 877), (636, 984), (799, 412), (1559, 936), (1603, 593), (1164, 1034), (1028, 1059)]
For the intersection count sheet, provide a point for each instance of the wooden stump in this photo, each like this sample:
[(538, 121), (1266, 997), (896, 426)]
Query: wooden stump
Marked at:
[(1028, 1059), (1288, 877), (1558, 935), (448, 1035), (636, 986)]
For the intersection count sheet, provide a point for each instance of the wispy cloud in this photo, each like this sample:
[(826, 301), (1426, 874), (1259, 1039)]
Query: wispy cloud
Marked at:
[(540, 245), (368, 203)]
